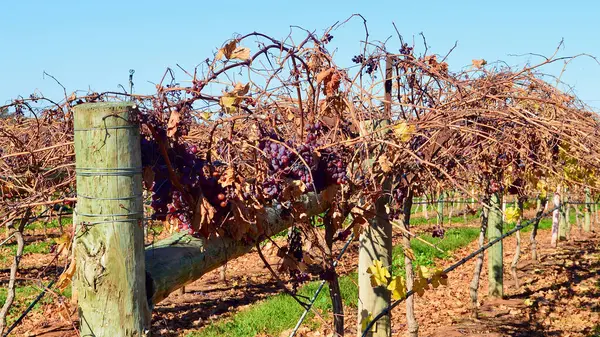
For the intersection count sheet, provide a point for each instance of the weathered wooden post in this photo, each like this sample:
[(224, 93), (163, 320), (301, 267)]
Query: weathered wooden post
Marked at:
[(495, 253), (562, 225), (440, 209), (555, 217), (109, 246), (587, 224), (375, 244)]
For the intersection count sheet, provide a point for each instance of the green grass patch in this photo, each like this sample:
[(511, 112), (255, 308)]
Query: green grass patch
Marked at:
[(454, 220), (24, 295), (39, 247), (66, 221), (425, 254)]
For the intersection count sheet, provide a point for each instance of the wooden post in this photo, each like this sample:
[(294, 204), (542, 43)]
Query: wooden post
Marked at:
[(376, 240), (495, 254), (375, 244), (109, 247), (562, 225), (503, 208), (440, 209), (555, 218), (587, 224)]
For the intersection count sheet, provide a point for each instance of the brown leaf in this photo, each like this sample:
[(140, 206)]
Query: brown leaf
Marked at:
[(479, 63), (65, 278), (241, 53), (232, 51), (324, 74), (227, 178), (173, 122), (203, 217), (227, 50), (384, 162), (241, 225), (358, 225), (148, 177), (293, 190), (333, 84)]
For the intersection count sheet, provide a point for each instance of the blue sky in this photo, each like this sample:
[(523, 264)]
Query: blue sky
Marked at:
[(93, 44)]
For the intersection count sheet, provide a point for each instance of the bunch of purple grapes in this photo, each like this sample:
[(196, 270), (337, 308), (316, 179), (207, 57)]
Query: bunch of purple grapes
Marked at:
[(336, 171), (370, 63), (398, 196), (168, 202), (300, 163), (438, 232)]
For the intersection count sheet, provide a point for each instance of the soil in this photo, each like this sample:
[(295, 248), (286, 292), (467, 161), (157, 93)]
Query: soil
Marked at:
[(558, 296)]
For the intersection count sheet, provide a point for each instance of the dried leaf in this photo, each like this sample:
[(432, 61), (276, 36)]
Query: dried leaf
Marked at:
[(358, 225), (232, 51), (408, 252), (234, 97), (479, 63), (173, 122), (227, 50), (241, 226), (384, 162), (227, 178), (324, 74), (241, 53), (203, 217), (65, 278), (148, 177), (294, 189)]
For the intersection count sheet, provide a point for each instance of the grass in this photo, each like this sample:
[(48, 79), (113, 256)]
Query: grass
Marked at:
[(24, 295), (41, 247), (454, 220), (425, 254), (281, 312), (278, 313)]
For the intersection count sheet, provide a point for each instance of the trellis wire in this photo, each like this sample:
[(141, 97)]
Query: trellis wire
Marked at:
[(456, 265), (316, 294), (31, 305)]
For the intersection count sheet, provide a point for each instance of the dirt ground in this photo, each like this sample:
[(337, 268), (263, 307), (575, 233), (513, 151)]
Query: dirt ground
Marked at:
[(558, 296)]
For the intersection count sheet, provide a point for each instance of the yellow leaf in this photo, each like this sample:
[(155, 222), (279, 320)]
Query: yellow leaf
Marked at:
[(404, 131), (513, 214), (365, 321), (206, 115), (379, 274), (438, 278), (398, 287), (227, 103)]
